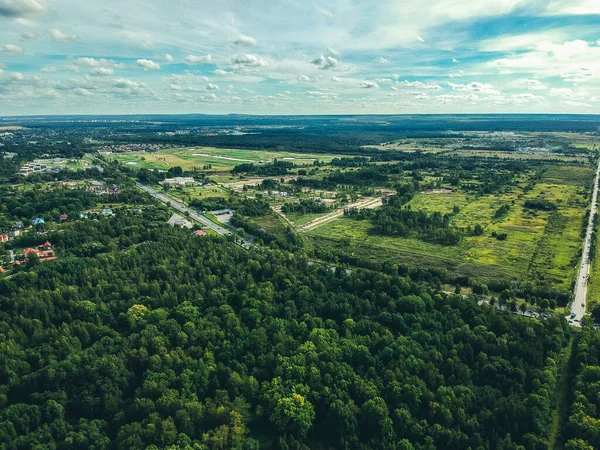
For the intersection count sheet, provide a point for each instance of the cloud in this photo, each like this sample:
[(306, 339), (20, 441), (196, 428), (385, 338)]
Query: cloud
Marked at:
[(474, 86), (325, 12), (368, 85), (12, 49), (60, 37), (534, 85), (48, 69), (102, 72), (325, 62), (420, 39), (245, 41), (248, 60), (336, 79), (212, 87), (418, 85), (561, 92), (21, 8), (381, 60), (29, 35), (147, 64), (83, 92), (193, 60), (303, 78), (168, 57)]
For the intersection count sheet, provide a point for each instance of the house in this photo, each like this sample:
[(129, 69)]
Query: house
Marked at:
[(2, 269), (63, 217), (46, 246), (83, 215), (3, 237), (200, 233), (38, 221), (179, 181), (14, 233), (108, 212), (18, 225), (29, 251), (17, 262), (178, 221), (46, 253)]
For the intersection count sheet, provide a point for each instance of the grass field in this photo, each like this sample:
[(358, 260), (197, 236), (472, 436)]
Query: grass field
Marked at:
[(218, 158), (541, 245)]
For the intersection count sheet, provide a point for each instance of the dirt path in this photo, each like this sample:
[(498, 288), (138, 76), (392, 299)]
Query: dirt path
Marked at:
[(365, 203)]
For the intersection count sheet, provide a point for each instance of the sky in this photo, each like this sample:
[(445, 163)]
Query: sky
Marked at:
[(299, 56)]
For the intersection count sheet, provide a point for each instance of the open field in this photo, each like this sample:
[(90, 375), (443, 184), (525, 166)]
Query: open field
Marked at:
[(218, 158), (541, 245)]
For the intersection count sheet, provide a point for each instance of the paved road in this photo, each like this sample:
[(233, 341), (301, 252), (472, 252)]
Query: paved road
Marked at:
[(578, 306), (186, 210)]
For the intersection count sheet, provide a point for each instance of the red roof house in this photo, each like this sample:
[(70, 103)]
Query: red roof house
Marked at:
[(3, 237), (200, 233), (63, 217)]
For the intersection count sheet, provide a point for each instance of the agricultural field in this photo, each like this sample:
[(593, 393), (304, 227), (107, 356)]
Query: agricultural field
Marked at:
[(218, 159)]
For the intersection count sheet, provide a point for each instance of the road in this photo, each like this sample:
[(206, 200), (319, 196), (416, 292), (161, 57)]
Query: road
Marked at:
[(366, 203), (189, 212), (578, 307)]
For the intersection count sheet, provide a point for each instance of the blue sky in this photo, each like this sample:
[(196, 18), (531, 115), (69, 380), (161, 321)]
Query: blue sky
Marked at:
[(304, 57)]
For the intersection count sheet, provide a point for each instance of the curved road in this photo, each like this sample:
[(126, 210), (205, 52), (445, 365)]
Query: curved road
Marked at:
[(578, 306)]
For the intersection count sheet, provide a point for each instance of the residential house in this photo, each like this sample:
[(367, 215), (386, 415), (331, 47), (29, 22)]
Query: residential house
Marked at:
[(108, 212), (14, 233), (18, 225), (3, 237), (179, 181), (200, 233), (63, 217), (38, 221)]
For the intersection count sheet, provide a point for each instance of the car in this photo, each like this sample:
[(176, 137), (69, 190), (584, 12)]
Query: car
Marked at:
[(573, 315)]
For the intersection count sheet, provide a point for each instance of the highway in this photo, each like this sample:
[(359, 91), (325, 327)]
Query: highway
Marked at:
[(187, 211), (578, 306)]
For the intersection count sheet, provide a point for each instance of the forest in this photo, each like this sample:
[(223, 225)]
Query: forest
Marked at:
[(166, 340)]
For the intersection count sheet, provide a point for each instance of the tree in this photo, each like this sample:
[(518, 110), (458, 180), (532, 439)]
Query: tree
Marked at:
[(294, 415)]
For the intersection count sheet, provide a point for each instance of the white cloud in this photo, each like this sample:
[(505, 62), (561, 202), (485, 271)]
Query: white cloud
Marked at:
[(60, 37), (381, 60), (418, 85), (29, 35), (325, 12), (203, 59), (420, 39), (575, 7), (534, 85), (93, 63), (245, 41), (212, 87), (21, 8), (12, 49), (48, 69), (82, 92), (248, 60), (304, 78), (474, 86), (102, 72), (336, 79), (561, 92), (394, 88), (147, 64), (168, 57), (325, 62), (368, 85)]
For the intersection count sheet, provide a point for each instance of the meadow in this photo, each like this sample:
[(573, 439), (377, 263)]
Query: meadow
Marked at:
[(542, 246), (219, 159)]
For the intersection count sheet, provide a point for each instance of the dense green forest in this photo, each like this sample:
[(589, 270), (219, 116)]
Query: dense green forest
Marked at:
[(166, 340)]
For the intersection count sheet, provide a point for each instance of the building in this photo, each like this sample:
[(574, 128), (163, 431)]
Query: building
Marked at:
[(38, 221), (83, 215), (179, 181), (14, 233), (178, 221), (18, 225), (200, 233), (3, 237), (108, 212), (2, 269), (63, 217)]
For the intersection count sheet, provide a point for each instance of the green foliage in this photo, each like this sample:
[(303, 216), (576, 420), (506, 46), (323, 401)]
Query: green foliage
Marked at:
[(180, 342)]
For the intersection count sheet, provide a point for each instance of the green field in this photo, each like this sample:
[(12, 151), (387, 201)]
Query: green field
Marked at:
[(541, 245), (219, 159)]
